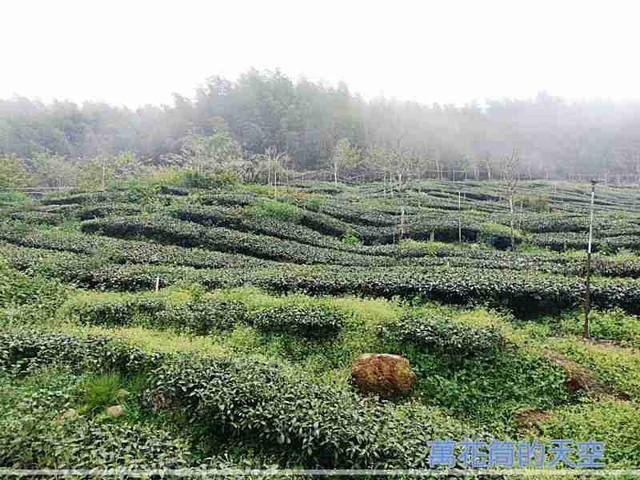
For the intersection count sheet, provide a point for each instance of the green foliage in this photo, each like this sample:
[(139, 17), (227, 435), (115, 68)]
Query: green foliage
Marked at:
[(608, 325), (611, 421), (306, 321), (27, 352), (201, 317), (443, 336), (497, 235), (274, 209), (37, 434), (320, 426), (13, 172), (350, 238), (17, 289), (99, 391), (490, 391)]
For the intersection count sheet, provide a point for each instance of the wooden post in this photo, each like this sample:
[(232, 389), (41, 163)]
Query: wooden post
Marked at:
[(587, 293), (157, 284), (459, 217)]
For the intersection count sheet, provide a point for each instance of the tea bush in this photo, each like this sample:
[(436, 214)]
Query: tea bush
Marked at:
[(302, 423), (309, 321), (441, 335)]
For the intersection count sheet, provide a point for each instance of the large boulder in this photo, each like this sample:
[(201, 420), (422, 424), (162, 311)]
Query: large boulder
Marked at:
[(382, 374)]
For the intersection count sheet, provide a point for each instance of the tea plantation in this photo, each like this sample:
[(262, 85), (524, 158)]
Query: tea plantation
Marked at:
[(154, 325)]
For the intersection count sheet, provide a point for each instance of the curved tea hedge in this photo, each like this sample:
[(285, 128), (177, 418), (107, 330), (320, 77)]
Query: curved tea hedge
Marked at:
[(253, 404), (303, 320), (189, 234), (445, 337), (310, 424), (26, 352), (201, 316), (526, 293)]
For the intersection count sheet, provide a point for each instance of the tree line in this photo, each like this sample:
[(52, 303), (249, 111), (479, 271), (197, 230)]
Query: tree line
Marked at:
[(264, 123)]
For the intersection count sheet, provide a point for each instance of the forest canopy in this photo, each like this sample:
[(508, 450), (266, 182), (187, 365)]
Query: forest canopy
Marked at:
[(314, 126)]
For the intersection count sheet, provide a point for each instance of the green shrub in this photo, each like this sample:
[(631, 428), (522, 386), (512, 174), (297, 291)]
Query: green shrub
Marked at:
[(612, 421), (195, 316), (264, 407), (18, 289), (34, 434), (115, 311), (489, 391), (98, 391), (443, 336), (350, 238), (27, 352), (309, 321), (201, 317), (276, 210), (498, 236)]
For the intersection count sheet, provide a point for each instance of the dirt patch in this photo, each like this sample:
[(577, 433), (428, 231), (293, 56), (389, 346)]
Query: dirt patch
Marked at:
[(579, 379), (531, 418)]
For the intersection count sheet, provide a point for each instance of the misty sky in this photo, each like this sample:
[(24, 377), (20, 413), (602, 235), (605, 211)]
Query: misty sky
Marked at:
[(135, 52)]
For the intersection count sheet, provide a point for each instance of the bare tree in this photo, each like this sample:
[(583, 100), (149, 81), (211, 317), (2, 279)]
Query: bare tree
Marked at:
[(275, 162), (509, 172)]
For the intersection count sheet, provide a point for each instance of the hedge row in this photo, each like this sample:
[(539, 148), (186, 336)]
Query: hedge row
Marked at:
[(84, 198), (107, 210), (253, 404), (443, 336), (310, 321), (525, 293), (203, 316), (351, 213), (575, 241), (220, 217), (420, 228), (124, 251), (189, 234), (34, 216), (303, 423), (26, 352)]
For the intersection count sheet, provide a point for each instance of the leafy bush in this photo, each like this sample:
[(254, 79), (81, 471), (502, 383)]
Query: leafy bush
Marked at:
[(201, 317), (276, 210), (443, 336), (498, 236), (18, 289), (118, 311), (350, 238), (309, 321), (99, 391), (196, 316), (27, 352), (35, 435), (188, 234), (263, 407)]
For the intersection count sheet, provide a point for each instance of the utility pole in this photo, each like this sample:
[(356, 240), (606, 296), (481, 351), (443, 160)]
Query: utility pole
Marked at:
[(587, 294)]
